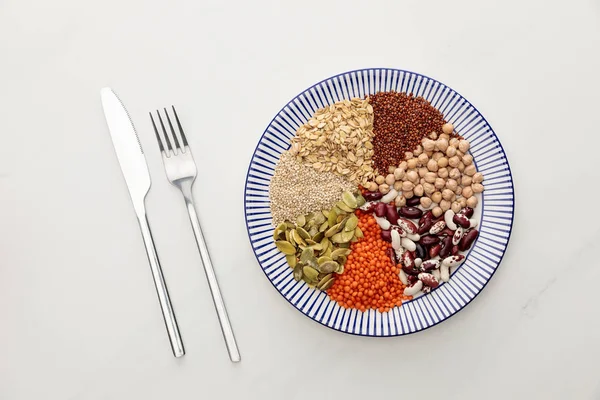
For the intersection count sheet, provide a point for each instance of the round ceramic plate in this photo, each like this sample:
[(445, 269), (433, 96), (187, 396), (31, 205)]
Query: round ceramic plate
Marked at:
[(496, 205)]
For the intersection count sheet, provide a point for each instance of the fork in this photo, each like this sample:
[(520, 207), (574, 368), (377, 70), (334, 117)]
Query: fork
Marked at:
[(181, 171)]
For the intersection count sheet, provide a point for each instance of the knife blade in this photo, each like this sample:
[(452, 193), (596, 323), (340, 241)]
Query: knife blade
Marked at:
[(135, 170)]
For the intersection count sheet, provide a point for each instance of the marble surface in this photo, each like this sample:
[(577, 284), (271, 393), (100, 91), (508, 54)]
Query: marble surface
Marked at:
[(79, 314)]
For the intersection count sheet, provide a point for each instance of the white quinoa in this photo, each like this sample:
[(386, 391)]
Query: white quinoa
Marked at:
[(297, 189)]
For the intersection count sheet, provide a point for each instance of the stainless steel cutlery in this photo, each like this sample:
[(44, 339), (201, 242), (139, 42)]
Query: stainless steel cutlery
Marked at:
[(180, 168), (135, 170)]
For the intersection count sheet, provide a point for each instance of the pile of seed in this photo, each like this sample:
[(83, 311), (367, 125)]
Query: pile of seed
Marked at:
[(338, 139), (401, 122), (297, 189)]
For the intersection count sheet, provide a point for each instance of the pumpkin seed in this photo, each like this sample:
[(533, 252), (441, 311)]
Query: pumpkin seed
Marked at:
[(318, 219), (349, 200), (323, 280), (337, 238), (337, 210), (327, 253), (358, 232), (298, 272), (279, 231), (323, 287), (325, 213), (291, 260), (324, 226), (352, 223), (310, 273), (360, 200), (344, 207), (317, 247), (331, 219), (340, 252), (344, 245), (301, 221), (303, 233), (319, 236), (295, 236), (287, 236), (325, 243), (340, 270), (328, 267), (323, 259), (313, 231), (306, 254), (310, 241), (285, 247), (290, 225), (341, 260), (333, 230)]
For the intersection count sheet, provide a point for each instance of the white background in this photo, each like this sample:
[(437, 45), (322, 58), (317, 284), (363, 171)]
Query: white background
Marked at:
[(79, 315)]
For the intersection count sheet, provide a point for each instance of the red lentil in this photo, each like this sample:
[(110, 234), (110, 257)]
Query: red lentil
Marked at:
[(400, 122)]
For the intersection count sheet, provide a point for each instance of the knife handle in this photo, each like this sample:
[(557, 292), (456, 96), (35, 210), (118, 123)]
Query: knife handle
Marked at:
[(161, 288)]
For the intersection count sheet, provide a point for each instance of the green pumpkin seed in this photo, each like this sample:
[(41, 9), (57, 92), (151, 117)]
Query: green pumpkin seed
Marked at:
[(333, 230), (344, 245), (310, 273), (306, 254), (351, 223), (313, 231), (279, 231), (325, 243), (303, 233), (328, 267), (347, 236), (337, 210), (349, 200), (290, 225), (340, 252), (337, 238), (323, 280), (325, 213), (323, 259), (310, 241), (360, 201), (298, 272), (358, 232), (295, 236), (285, 247), (323, 287), (327, 253), (324, 226), (341, 260), (331, 219), (318, 219), (344, 207), (301, 221), (340, 270), (317, 247), (291, 260), (319, 236)]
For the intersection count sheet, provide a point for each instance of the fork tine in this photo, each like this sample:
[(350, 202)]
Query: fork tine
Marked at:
[(172, 131), (160, 143), (185, 143), (164, 131)]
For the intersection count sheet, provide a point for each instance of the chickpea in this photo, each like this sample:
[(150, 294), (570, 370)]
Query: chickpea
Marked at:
[(384, 188), (459, 154), (372, 186), (451, 184), (466, 180), (467, 192), (461, 167), (437, 211), (407, 186), (444, 136), (442, 144), (450, 151), (436, 197), (463, 202), (443, 173), (398, 186), (437, 155), (477, 188), (458, 190), (470, 170), (428, 188), (429, 154), (398, 173), (445, 205), (418, 190), (390, 179), (442, 162), (453, 161), (428, 145), (391, 169), (432, 165), (430, 177), (455, 207), (447, 128), (478, 177), (464, 146), (380, 179), (426, 202), (467, 159), (433, 135), (400, 201), (408, 155), (454, 142), (418, 150), (422, 172), (439, 183), (454, 173), (472, 201), (423, 159), (422, 181), (409, 194), (412, 163), (412, 176), (403, 165), (447, 194)]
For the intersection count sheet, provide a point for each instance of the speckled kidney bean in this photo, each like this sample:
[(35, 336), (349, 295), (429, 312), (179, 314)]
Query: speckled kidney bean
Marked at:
[(446, 232), (427, 216), (412, 279), (467, 212), (401, 231), (437, 228), (430, 265), (414, 289), (429, 240), (408, 262), (434, 250), (369, 206), (411, 212), (413, 201), (458, 235), (428, 280), (392, 254), (468, 239), (461, 220), (425, 226), (391, 213), (373, 196), (446, 249), (453, 261), (455, 250), (386, 235), (420, 251), (380, 209), (407, 225)]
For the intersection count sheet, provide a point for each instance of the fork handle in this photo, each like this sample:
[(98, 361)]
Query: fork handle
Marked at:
[(161, 288), (232, 348)]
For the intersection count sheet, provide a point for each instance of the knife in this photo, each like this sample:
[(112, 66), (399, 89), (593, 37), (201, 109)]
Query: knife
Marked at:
[(135, 170)]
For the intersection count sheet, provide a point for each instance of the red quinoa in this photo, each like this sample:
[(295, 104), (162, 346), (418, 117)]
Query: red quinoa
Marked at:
[(401, 121)]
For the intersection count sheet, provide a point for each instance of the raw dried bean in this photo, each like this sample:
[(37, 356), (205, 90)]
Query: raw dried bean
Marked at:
[(408, 262), (437, 274), (407, 225), (446, 249), (448, 215), (411, 212), (372, 196), (427, 216), (390, 252), (415, 237), (425, 226), (445, 273), (408, 244), (380, 209), (413, 201), (453, 261), (467, 212), (458, 235), (428, 280), (412, 279), (468, 239), (395, 240), (420, 250), (414, 289), (446, 232), (391, 213), (369, 206), (403, 277), (437, 228), (426, 289), (430, 265), (455, 250), (383, 223), (418, 262), (386, 235), (434, 250), (390, 196), (429, 240), (400, 231), (461, 220)]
